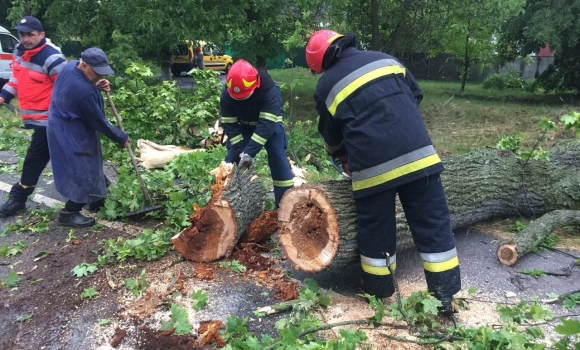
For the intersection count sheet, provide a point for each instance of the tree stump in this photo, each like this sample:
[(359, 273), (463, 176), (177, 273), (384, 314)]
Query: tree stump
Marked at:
[(237, 199), (318, 222)]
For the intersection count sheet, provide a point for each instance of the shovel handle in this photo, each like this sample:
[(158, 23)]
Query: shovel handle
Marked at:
[(143, 188)]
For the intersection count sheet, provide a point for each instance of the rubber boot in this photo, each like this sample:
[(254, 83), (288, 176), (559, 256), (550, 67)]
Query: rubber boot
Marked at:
[(449, 306), (16, 200), (377, 286), (96, 205), (75, 219)]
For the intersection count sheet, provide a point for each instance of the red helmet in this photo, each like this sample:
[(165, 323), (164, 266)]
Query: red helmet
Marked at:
[(317, 46), (242, 79)]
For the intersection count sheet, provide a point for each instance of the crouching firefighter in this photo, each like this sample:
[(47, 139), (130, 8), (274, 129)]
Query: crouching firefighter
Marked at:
[(368, 104), (251, 115)]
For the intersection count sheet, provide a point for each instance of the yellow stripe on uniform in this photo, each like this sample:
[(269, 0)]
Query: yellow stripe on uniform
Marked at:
[(229, 120), (397, 172), (236, 139), (378, 270), (259, 139), (441, 266), (269, 116), (360, 81), (283, 183)]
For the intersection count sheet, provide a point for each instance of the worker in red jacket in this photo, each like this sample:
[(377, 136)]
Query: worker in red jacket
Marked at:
[(35, 67), (368, 104)]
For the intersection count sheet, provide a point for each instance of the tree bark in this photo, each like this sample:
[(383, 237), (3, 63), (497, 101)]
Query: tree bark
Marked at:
[(165, 63), (529, 238), (318, 222), (375, 36), (237, 200), (466, 62)]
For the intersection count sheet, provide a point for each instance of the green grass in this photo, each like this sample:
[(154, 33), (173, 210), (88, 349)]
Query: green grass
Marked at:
[(458, 122)]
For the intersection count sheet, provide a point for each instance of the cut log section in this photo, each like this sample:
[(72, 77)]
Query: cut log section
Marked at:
[(318, 222), (237, 199), (262, 228), (529, 238), (310, 229)]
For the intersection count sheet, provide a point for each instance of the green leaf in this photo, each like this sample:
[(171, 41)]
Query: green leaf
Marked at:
[(535, 273), (104, 322), (472, 290), (546, 124), (431, 305), (570, 118), (179, 320), (4, 249), (24, 317), (88, 293), (568, 327), (12, 280), (84, 269), (199, 299)]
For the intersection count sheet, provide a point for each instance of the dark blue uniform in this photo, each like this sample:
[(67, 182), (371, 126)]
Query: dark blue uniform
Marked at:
[(368, 105), (255, 123)]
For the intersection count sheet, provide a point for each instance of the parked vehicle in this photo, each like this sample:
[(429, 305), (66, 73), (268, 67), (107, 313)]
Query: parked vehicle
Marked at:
[(7, 44), (214, 58), (182, 58)]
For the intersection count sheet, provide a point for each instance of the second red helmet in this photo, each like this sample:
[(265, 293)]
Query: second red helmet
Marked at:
[(242, 79), (317, 46)]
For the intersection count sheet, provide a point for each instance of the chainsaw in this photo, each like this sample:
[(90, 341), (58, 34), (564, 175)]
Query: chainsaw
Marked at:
[(340, 169)]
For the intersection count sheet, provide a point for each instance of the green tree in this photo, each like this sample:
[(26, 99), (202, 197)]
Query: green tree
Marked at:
[(473, 31), (153, 27), (556, 22)]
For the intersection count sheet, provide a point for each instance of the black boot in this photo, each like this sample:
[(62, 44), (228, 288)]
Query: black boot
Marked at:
[(378, 286), (16, 200), (96, 205), (449, 306), (11, 207), (74, 219)]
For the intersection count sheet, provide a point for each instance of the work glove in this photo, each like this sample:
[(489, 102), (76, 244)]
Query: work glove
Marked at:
[(246, 161)]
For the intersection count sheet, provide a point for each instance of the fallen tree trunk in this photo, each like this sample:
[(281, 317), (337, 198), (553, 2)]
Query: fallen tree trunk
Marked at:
[(318, 222), (528, 239), (237, 199)]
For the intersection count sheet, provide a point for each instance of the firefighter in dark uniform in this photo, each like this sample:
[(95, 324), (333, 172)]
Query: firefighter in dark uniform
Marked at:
[(251, 115), (368, 104)]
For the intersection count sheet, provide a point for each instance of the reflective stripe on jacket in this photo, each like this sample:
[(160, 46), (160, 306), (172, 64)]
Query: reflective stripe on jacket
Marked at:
[(33, 75), (263, 109), (368, 102)]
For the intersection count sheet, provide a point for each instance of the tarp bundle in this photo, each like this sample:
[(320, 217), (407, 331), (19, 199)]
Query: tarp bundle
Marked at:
[(156, 156)]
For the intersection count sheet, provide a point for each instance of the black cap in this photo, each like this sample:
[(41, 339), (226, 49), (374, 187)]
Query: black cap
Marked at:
[(28, 24), (97, 60)]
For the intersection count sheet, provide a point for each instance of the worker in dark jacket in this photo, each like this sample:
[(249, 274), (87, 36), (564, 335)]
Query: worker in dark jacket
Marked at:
[(368, 104), (251, 110), (35, 67), (75, 121)]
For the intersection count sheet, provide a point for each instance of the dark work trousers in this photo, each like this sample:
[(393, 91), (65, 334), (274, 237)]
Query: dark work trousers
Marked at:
[(36, 159), (71, 206), (427, 214), (277, 159)]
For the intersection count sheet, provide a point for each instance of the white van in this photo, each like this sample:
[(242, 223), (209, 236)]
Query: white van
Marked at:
[(7, 44)]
